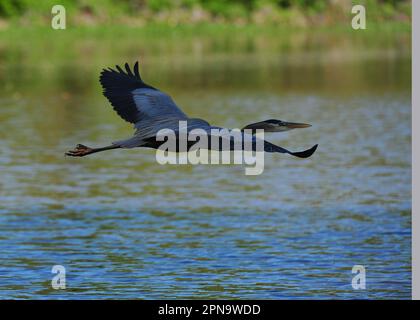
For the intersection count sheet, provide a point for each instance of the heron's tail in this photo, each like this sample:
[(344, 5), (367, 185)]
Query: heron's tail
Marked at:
[(269, 147)]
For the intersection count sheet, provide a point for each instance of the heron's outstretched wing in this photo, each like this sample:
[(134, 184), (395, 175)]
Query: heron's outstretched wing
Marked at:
[(134, 100)]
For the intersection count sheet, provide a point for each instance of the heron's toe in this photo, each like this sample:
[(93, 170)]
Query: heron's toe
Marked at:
[(80, 151)]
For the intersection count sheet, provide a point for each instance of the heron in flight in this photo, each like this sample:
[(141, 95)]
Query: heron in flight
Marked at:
[(151, 110)]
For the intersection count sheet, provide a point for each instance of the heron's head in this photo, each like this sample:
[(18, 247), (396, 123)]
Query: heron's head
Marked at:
[(274, 125)]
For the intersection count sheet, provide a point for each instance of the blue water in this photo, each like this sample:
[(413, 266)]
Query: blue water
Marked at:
[(125, 227)]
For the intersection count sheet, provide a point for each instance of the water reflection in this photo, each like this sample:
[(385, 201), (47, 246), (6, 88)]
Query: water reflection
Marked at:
[(125, 227)]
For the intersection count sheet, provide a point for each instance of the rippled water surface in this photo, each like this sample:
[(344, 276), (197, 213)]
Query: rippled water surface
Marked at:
[(125, 227)]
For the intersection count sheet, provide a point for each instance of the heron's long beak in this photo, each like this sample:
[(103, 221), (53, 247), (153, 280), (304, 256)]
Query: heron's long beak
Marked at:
[(296, 125)]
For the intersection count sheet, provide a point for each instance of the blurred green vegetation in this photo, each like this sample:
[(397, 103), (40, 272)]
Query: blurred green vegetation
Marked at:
[(296, 13)]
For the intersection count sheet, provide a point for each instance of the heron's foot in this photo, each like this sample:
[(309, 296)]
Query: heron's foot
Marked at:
[(80, 151)]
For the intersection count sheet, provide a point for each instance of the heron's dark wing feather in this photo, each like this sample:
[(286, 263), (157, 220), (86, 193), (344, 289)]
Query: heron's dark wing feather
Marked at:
[(133, 99)]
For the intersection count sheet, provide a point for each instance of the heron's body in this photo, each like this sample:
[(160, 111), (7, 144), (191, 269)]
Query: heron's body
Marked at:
[(151, 111)]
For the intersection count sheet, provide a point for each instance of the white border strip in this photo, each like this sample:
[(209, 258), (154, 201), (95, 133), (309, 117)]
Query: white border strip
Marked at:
[(415, 134)]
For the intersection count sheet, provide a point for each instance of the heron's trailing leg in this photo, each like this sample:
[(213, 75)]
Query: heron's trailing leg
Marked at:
[(82, 150)]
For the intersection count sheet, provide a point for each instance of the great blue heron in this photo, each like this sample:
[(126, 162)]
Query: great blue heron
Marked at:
[(151, 110)]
